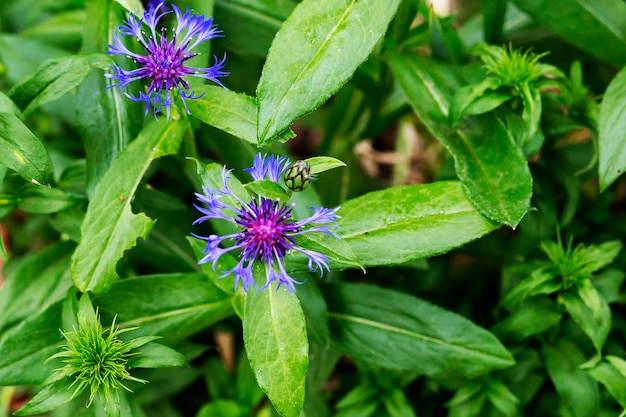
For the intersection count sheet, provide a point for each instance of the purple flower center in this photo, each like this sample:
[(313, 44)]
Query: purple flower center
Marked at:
[(164, 65), (265, 229)]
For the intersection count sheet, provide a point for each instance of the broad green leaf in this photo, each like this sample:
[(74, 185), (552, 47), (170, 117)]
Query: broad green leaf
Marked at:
[(108, 121), (155, 355), (26, 347), (611, 128), (53, 79), (21, 151), (274, 332), (171, 305), (315, 52), (595, 26), (393, 330), (49, 398), (614, 381), (34, 282), (110, 227), (323, 163), (251, 24), (404, 223), (487, 160), (268, 189), (578, 392), (230, 112)]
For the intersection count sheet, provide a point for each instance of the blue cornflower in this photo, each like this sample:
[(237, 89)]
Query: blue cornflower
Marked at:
[(164, 60), (267, 232)]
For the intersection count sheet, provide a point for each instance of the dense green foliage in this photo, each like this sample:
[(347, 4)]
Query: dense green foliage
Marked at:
[(476, 160)]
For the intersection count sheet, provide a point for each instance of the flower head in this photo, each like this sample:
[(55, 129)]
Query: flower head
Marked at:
[(95, 358), (513, 67), (267, 230), (164, 61)]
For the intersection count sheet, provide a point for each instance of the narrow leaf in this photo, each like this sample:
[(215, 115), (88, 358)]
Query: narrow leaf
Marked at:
[(21, 151), (110, 227), (274, 332), (611, 128), (315, 52), (323, 163), (53, 79), (404, 223), (397, 331)]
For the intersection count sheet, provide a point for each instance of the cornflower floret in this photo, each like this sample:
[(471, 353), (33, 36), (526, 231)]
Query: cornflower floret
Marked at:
[(267, 230), (164, 60)]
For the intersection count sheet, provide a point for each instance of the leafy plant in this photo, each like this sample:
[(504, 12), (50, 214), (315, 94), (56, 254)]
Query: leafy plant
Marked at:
[(319, 208)]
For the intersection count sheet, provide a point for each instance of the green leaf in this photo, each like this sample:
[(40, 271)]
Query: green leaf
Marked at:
[(614, 381), (49, 398), (110, 227), (8, 106), (251, 24), (45, 200), (155, 355), (53, 79), (323, 163), (445, 41), (172, 305), (532, 318), (268, 189), (404, 223), (34, 282), (221, 408), (26, 347), (593, 318), (338, 251), (611, 127), (315, 52), (407, 333), (578, 392), (466, 97), (596, 27), (274, 332), (397, 405), (315, 312), (133, 6), (230, 112), (21, 151), (108, 121), (531, 114), (483, 150)]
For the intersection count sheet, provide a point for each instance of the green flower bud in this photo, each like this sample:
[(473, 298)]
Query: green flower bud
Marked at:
[(298, 176)]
